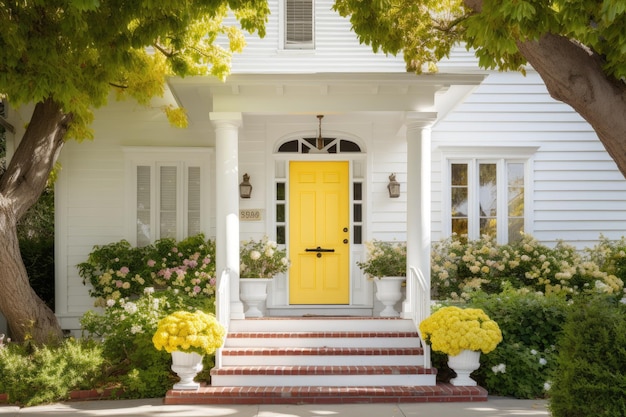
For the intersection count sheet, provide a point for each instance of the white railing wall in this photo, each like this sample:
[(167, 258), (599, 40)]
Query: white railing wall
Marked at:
[(420, 298), (222, 307)]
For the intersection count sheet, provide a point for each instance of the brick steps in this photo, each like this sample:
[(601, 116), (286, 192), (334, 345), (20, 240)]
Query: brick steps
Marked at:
[(323, 361), (327, 395)]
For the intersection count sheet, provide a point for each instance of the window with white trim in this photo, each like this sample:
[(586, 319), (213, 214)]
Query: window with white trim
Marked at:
[(487, 196), (167, 195), (299, 25)]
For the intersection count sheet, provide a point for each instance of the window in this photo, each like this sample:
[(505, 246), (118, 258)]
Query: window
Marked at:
[(167, 194), (487, 197), (299, 24)]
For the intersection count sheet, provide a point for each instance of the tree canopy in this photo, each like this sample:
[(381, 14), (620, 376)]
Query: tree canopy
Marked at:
[(74, 51), (426, 30), (65, 56), (578, 47)]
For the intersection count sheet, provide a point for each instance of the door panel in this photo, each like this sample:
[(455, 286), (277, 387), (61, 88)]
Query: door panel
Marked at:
[(318, 215)]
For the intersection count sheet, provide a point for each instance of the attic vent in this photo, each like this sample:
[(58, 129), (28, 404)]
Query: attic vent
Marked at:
[(298, 24)]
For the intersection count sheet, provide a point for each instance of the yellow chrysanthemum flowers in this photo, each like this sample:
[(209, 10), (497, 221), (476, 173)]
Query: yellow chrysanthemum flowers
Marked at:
[(185, 331), (452, 329)]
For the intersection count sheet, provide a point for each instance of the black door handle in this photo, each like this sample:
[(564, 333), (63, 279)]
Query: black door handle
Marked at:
[(318, 249)]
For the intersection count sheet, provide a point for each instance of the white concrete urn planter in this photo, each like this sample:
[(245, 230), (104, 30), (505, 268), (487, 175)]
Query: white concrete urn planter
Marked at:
[(389, 292), (464, 364), (253, 292), (186, 365)]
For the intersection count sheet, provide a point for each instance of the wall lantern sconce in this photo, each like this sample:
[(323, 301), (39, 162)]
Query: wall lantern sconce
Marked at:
[(393, 187), (245, 188)]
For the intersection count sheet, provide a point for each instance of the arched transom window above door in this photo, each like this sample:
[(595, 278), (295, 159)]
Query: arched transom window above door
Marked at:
[(319, 145)]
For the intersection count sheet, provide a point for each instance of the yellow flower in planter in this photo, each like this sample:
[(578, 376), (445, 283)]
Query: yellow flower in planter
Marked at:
[(185, 331), (452, 329)]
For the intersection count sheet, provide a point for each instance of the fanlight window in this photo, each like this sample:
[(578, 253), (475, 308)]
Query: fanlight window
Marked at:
[(319, 145)]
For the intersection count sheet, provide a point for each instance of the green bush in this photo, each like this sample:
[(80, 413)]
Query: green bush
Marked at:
[(590, 380), (32, 375), (522, 364)]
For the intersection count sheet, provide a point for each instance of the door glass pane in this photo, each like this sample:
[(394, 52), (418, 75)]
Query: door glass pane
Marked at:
[(280, 191), (280, 235), (358, 191), (487, 198), (193, 201), (143, 205), (358, 213), (280, 213), (167, 202)]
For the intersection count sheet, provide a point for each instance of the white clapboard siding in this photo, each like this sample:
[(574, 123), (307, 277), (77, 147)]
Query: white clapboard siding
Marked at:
[(573, 174)]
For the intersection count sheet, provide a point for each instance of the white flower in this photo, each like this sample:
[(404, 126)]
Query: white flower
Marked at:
[(110, 302), (131, 308), (136, 329), (533, 352), (148, 290), (542, 361), (284, 261), (547, 385), (501, 368), (254, 255)]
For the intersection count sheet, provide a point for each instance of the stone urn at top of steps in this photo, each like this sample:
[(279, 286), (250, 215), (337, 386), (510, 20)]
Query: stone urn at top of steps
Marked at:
[(253, 293), (389, 292)]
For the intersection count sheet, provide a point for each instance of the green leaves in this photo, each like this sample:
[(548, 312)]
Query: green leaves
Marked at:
[(74, 50)]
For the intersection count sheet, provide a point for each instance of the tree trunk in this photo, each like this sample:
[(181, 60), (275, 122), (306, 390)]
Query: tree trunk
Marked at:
[(575, 76), (20, 187)]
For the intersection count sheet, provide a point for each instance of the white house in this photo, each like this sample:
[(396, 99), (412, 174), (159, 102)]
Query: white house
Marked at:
[(323, 181)]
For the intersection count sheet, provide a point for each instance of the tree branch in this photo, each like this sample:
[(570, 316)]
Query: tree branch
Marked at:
[(575, 76)]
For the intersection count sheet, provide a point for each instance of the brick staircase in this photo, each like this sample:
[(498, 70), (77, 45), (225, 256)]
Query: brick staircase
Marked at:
[(323, 360)]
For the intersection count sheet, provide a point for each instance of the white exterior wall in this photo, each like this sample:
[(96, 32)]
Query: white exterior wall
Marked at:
[(578, 192), (336, 48), (90, 193)]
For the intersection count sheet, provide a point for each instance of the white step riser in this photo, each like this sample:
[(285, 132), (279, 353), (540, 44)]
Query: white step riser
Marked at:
[(322, 380), (395, 360), (314, 325), (361, 342)]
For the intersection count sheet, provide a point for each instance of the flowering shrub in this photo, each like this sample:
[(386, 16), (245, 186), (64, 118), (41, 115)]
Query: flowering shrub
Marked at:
[(119, 271), (189, 332), (452, 329), (384, 259), (262, 259), (460, 266), (137, 287)]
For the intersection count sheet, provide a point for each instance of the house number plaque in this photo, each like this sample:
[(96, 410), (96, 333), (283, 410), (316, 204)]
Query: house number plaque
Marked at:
[(250, 215)]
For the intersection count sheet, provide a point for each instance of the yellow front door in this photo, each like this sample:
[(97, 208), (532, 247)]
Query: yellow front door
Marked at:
[(319, 246)]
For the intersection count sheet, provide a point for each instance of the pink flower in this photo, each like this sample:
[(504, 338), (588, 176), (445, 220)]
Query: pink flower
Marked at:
[(196, 289), (124, 270), (212, 281), (151, 263), (119, 284), (206, 260)]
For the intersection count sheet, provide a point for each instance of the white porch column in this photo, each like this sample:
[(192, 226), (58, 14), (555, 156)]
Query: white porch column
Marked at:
[(227, 204), (418, 201)]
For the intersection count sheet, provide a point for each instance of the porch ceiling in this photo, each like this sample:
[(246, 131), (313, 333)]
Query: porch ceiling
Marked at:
[(324, 93)]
